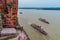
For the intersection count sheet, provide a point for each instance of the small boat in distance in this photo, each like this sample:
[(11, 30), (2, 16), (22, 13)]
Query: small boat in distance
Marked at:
[(44, 20), (39, 28), (20, 12)]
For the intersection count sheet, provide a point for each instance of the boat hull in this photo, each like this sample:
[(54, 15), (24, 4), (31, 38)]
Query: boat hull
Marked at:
[(44, 20), (39, 29)]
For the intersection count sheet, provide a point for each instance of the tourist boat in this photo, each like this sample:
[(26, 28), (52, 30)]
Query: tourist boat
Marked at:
[(44, 20), (20, 12), (23, 35), (39, 28)]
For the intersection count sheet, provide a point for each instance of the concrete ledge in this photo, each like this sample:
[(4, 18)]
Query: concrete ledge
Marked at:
[(8, 31)]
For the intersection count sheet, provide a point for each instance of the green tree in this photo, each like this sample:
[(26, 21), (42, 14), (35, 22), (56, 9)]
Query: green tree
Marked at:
[(10, 5)]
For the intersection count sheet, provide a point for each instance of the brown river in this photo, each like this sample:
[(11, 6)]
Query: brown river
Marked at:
[(31, 16)]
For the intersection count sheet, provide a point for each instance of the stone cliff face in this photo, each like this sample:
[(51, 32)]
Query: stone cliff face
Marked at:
[(9, 9)]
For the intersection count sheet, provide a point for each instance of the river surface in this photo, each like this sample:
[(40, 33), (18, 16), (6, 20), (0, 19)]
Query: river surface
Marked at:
[(32, 16)]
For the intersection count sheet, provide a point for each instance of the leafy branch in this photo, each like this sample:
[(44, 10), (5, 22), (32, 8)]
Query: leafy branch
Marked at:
[(10, 4)]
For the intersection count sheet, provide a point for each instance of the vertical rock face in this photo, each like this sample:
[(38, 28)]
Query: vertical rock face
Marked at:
[(9, 10)]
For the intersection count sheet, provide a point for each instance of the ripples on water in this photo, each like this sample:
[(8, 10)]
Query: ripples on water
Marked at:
[(31, 16)]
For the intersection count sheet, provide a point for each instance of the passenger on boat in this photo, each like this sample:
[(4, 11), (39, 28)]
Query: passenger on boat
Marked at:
[(41, 29), (38, 27)]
